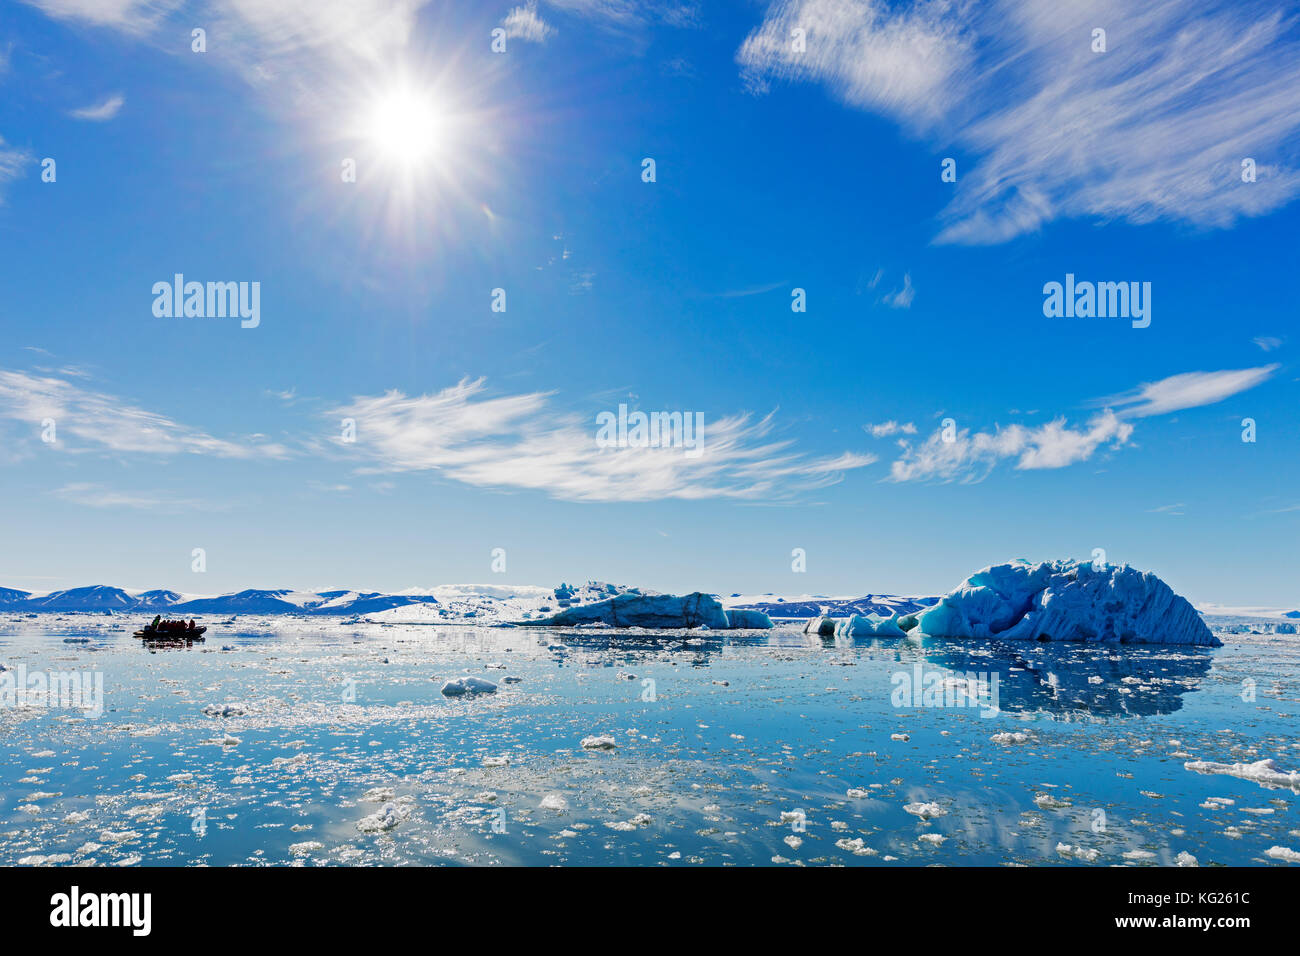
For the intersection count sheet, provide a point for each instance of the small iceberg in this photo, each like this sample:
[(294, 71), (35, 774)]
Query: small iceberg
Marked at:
[(741, 618), (468, 685), (647, 610), (1067, 601), (871, 625)]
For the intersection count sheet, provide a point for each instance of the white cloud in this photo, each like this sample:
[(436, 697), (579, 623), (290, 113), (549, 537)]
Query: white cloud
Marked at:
[(891, 427), (337, 29), (969, 457), (897, 61), (632, 13), (1188, 390), (524, 23), (1153, 129), (132, 16), (305, 41), (12, 161), (94, 421), (100, 112), (902, 298), (1267, 342), (519, 442), (97, 496)]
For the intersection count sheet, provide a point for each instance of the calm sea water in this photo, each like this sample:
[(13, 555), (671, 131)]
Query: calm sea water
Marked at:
[(330, 744)]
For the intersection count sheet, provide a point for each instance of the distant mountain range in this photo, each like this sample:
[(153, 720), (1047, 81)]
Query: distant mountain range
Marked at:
[(280, 601), (462, 601), (439, 603)]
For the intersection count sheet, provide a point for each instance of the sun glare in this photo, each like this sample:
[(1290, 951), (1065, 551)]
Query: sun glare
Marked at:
[(407, 127)]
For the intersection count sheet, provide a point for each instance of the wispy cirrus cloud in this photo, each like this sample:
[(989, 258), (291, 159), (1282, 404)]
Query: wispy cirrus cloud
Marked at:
[(625, 14), (100, 112), (969, 456), (524, 23), (1155, 128), (520, 442), (131, 16), (891, 427), (92, 495), (1188, 390), (902, 298), (90, 421), (12, 161), (264, 39)]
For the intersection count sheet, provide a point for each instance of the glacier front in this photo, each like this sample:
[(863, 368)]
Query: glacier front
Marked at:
[(1066, 601)]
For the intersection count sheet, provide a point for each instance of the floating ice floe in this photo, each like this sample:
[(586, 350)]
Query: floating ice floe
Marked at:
[(1185, 859), (224, 710), (1263, 772), (925, 811), (1138, 855), (1087, 854), (1283, 853), (856, 847), (1010, 737), (626, 826), (598, 743), (384, 819), (461, 686), (554, 801), (1045, 801), (1066, 601)]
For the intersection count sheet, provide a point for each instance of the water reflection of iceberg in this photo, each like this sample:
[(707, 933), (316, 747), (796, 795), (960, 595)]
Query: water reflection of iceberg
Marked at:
[(1079, 680)]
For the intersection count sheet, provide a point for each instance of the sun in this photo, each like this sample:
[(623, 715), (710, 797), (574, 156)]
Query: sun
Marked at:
[(407, 127)]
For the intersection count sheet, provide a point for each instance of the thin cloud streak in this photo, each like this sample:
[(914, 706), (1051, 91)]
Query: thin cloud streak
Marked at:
[(93, 495), (1188, 390), (96, 421), (101, 112), (519, 442)]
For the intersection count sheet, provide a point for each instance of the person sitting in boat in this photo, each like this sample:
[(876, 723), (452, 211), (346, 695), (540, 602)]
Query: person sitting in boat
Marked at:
[(154, 625), (190, 626)]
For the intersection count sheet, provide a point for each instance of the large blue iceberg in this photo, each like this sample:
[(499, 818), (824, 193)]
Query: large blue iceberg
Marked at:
[(1066, 601)]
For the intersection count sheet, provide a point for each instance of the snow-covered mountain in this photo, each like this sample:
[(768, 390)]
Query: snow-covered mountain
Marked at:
[(482, 603), (449, 602)]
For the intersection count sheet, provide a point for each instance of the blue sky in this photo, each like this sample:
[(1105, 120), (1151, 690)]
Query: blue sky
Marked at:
[(775, 169)]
